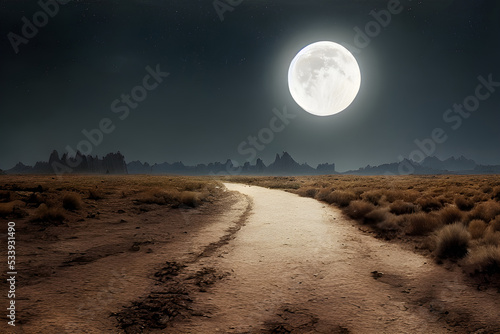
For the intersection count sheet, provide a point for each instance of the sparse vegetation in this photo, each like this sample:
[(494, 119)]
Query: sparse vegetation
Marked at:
[(47, 215), (450, 215), (429, 203), (477, 227), (340, 198), (443, 214), (452, 241), (463, 203), (422, 223), (95, 194), (400, 207), (13, 209), (359, 209), (308, 192), (484, 261)]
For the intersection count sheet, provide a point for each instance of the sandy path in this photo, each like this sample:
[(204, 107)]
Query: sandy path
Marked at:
[(299, 266)]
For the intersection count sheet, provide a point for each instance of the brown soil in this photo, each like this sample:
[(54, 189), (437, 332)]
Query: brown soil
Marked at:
[(257, 261)]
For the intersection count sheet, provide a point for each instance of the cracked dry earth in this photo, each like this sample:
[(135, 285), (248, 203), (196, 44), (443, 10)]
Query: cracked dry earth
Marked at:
[(266, 261)]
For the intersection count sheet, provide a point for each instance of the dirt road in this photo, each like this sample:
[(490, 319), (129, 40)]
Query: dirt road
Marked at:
[(299, 266), (254, 261)]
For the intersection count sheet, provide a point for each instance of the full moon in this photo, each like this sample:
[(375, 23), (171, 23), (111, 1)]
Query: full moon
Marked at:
[(324, 78)]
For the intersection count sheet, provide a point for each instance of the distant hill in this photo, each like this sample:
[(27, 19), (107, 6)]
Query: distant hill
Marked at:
[(284, 164), (404, 167), (451, 164), (112, 163), (429, 166)]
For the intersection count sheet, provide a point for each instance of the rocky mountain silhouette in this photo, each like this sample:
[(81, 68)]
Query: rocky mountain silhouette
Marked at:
[(451, 164), (112, 163), (284, 164)]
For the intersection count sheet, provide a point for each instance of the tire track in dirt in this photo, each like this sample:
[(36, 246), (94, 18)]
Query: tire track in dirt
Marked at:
[(171, 299)]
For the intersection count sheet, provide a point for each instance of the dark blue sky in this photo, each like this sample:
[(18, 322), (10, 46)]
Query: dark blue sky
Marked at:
[(226, 77)]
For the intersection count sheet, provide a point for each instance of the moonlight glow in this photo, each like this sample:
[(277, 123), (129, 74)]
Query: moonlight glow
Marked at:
[(324, 78)]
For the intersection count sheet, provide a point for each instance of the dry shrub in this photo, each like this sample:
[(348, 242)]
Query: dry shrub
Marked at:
[(191, 198), (13, 208), (377, 215), (72, 201), (450, 215), (35, 198), (483, 260), (391, 223), (373, 196), (496, 193), (359, 209), (48, 215), (464, 204), (96, 194), (323, 193), (422, 223), (308, 192), (172, 197), (491, 238), (486, 189), (191, 186), (429, 204), (494, 225), (410, 195), (485, 211), (477, 228), (160, 197), (393, 195), (400, 207), (340, 198), (452, 241)]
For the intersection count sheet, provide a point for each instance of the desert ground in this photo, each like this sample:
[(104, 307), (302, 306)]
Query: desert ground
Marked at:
[(323, 254)]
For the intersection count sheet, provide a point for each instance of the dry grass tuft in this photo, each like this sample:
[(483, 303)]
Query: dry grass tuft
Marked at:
[(391, 223), (476, 228), (173, 197), (13, 209), (463, 203), (48, 215), (422, 223), (450, 215), (190, 198), (308, 192), (358, 209), (484, 260), (400, 207), (452, 241), (428, 203), (72, 201), (490, 237), (496, 193), (373, 196), (160, 197), (485, 211), (494, 225), (377, 216), (96, 194), (340, 198)]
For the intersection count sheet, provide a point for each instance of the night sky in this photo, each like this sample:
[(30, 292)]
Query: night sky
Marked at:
[(226, 77)]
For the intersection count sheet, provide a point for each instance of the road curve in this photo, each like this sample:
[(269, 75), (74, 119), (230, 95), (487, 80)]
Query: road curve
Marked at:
[(300, 266)]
